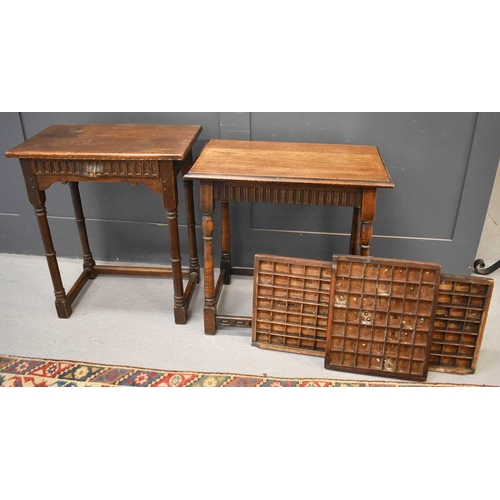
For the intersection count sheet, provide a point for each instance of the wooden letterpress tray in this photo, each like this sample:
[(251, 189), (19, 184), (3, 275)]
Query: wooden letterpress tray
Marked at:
[(381, 316), (462, 309), (290, 304)]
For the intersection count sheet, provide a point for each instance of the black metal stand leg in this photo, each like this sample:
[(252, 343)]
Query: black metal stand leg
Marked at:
[(480, 269)]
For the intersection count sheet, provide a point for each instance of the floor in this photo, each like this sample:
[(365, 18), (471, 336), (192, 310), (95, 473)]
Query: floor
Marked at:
[(128, 321)]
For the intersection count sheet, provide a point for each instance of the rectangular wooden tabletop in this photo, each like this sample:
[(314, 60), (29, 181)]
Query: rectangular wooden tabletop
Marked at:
[(110, 142), (335, 164)]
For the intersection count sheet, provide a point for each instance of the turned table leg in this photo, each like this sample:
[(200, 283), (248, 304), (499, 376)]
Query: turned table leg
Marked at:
[(88, 260), (37, 199), (207, 209), (63, 306), (194, 264), (367, 217), (355, 231), (225, 262), (170, 201)]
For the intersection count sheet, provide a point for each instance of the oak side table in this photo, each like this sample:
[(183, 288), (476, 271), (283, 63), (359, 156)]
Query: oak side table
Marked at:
[(147, 154), (280, 172)]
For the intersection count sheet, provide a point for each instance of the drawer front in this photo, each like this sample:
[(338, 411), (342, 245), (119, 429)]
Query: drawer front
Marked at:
[(97, 168), (288, 193)]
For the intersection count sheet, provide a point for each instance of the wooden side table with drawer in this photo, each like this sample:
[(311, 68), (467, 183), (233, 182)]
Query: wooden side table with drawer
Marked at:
[(147, 154), (281, 172)]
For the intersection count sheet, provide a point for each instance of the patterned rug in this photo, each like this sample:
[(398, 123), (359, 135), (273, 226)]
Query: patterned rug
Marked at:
[(32, 372)]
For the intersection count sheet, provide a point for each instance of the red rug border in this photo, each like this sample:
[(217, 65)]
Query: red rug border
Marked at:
[(389, 383)]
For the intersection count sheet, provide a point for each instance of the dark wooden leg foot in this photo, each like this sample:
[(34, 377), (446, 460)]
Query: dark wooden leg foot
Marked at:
[(180, 315), (63, 309), (209, 320), (194, 264), (355, 232), (225, 262), (88, 260)]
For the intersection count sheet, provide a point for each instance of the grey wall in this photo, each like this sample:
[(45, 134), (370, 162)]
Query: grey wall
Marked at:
[(443, 166)]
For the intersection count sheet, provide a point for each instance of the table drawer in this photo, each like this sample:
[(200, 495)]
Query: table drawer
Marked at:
[(97, 168), (288, 193)]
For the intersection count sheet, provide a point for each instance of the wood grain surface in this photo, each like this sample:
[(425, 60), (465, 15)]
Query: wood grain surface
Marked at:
[(109, 142), (327, 164)]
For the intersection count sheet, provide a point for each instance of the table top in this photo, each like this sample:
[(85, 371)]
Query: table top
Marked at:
[(109, 142), (291, 162)]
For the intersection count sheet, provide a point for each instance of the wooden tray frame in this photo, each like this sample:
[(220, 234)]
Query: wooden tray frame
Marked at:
[(299, 293), (461, 313), (444, 341), (395, 298)]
